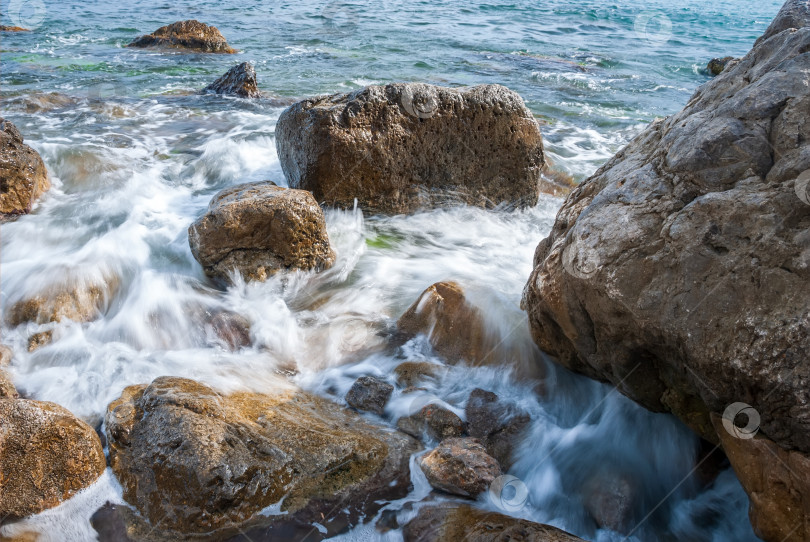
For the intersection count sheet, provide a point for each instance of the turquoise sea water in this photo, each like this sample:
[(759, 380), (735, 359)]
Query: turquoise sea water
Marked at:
[(135, 155)]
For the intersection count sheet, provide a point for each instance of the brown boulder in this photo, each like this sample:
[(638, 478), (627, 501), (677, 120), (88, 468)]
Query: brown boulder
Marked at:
[(412, 373), (259, 229), (369, 394), (400, 147), (453, 522), (80, 300), (194, 461), (46, 456), (238, 81), (188, 35), (432, 421), (23, 177), (460, 466)]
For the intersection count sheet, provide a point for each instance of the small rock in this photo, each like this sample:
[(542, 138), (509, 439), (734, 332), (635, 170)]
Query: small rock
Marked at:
[(38, 340), (412, 373), (369, 394), (79, 300), (23, 173), (46, 456), (229, 328), (717, 65), (6, 28), (610, 500), (238, 81), (450, 521), (455, 328), (497, 425), (188, 35), (436, 422), (460, 466), (259, 229)]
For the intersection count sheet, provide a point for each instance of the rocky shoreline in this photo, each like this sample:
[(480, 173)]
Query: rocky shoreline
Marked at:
[(677, 273)]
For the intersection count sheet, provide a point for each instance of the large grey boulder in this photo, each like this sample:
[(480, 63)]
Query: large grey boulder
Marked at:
[(399, 147), (680, 272)]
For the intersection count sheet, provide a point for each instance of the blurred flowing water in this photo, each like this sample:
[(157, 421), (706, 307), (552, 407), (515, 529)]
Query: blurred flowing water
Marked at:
[(135, 155)]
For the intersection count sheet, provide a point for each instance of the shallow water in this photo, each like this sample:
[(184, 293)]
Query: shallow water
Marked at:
[(135, 157)]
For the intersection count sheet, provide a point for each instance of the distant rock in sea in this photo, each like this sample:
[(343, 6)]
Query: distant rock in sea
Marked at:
[(188, 35)]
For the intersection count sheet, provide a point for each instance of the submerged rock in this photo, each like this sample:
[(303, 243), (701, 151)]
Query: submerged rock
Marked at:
[(228, 328), (680, 272), (453, 522), (23, 177), (400, 147), (432, 421), (238, 81), (46, 456), (194, 461), (80, 300), (460, 466), (610, 499), (7, 389), (188, 35), (499, 426), (455, 327), (259, 229), (413, 373), (369, 394), (38, 340), (717, 65)]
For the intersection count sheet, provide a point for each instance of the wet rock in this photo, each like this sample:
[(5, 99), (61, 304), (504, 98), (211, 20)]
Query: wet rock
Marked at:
[(238, 81), (39, 102), (460, 466), (38, 340), (499, 426), (680, 272), (412, 373), (77, 300), (400, 147), (369, 394), (228, 328), (6, 28), (453, 522), (432, 421), (46, 456), (610, 500), (192, 460), (23, 177), (777, 482), (717, 65), (188, 35), (7, 389), (108, 521), (456, 328), (259, 229)]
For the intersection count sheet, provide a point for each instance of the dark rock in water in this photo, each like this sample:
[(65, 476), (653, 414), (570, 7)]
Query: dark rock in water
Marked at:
[(108, 521), (6, 28), (401, 147), (230, 329), (499, 426), (433, 421), (194, 461), (369, 394), (47, 455), (460, 466), (188, 35), (412, 373), (23, 177), (238, 81), (259, 229), (717, 65), (680, 271), (453, 522)]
